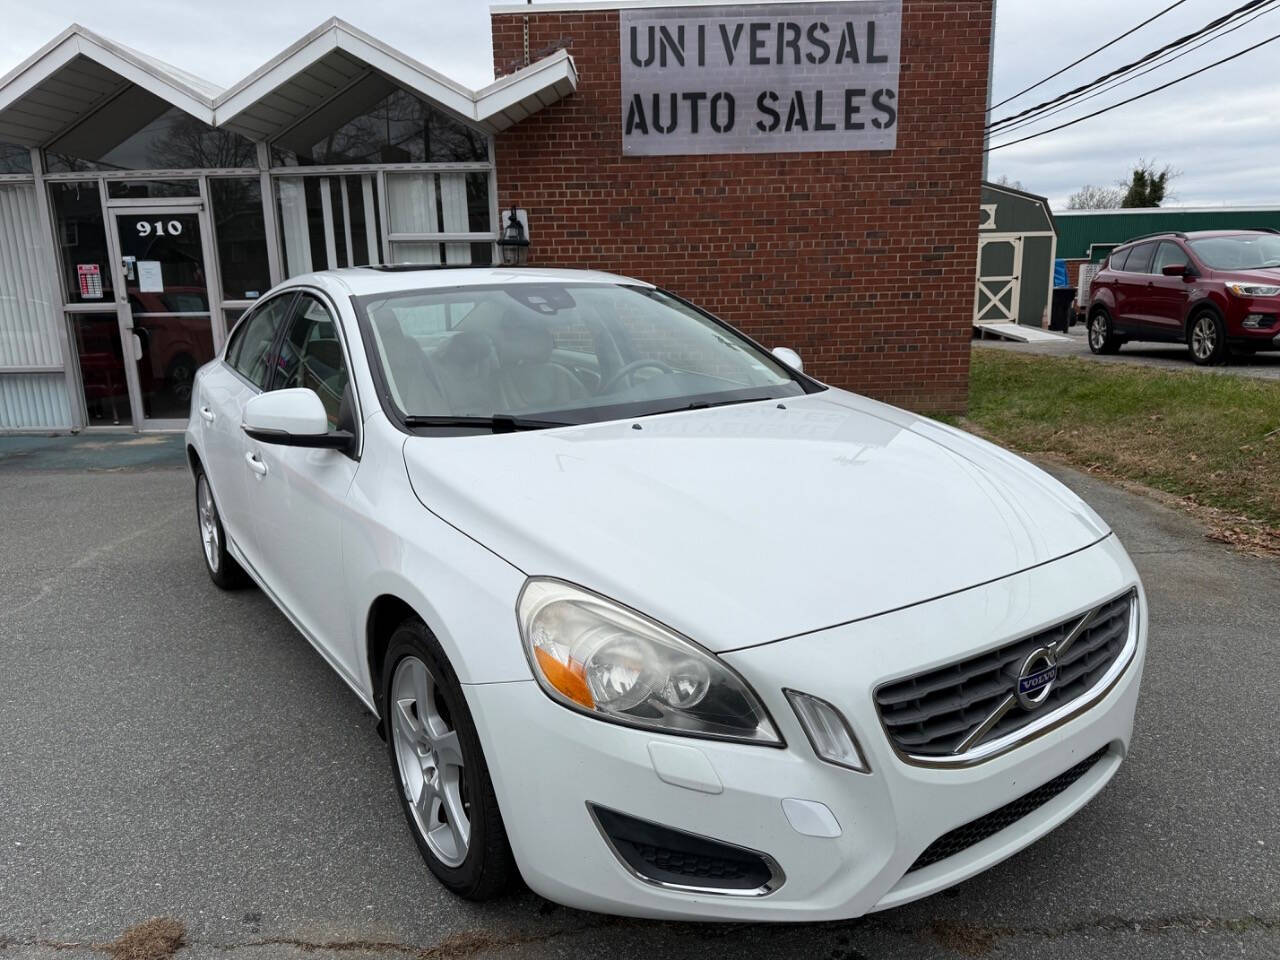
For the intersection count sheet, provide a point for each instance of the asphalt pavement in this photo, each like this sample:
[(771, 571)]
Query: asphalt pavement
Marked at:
[(170, 750), (1163, 356)]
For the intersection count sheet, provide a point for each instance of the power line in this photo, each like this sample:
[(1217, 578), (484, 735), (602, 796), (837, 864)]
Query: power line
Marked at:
[(1173, 44), (1163, 86), (1074, 63), (1269, 7)]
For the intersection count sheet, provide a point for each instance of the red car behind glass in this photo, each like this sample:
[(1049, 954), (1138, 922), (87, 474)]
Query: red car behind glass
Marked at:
[(1217, 291)]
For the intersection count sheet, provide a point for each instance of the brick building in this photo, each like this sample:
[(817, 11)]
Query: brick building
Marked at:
[(853, 240)]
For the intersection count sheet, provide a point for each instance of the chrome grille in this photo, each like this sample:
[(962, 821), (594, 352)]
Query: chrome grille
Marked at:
[(954, 709)]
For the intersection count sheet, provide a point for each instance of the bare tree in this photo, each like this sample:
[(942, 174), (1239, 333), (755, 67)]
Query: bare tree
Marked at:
[(1090, 197)]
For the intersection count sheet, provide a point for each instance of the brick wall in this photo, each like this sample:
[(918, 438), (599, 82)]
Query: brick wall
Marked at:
[(861, 261)]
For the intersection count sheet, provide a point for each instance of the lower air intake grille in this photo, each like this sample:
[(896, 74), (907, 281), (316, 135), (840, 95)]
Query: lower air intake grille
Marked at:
[(678, 859), (975, 831)]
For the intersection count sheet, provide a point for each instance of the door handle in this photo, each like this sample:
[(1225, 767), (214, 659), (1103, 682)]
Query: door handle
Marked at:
[(208, 414), (256, 465)]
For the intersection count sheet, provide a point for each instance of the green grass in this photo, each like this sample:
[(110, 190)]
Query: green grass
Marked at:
[(1212, 438)]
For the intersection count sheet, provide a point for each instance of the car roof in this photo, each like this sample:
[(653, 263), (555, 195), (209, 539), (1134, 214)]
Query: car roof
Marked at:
[(394, 278), (1191, 235)]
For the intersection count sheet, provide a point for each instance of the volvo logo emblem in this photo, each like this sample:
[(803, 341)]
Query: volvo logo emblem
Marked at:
[(1036, 678)]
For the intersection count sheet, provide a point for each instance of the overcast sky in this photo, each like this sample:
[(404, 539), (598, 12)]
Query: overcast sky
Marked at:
[(1221, 129)]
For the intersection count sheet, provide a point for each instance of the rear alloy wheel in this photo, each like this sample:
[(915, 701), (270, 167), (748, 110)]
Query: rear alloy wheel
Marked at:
[(445, 790), (1207, 339), (222, 567), (1101, 337)]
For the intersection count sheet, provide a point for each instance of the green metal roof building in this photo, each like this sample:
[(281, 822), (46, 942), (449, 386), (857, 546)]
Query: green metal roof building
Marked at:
[(1090, 234)]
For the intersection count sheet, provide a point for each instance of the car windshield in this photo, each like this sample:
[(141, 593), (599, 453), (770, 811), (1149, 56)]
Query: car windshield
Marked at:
[(561, 353), (1245, 251)]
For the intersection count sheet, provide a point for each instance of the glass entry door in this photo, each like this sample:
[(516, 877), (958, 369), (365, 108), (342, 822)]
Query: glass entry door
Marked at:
[(166, 324)]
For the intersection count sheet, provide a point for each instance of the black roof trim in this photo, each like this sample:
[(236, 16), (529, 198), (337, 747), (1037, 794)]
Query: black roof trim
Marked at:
[(414, 267)]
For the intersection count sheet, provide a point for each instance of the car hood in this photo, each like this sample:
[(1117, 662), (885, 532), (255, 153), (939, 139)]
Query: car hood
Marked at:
[(1257, 275), (744, 524)]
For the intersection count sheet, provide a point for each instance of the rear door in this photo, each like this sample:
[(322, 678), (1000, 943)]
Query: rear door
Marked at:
[(1169, 296), (298, 496), (224, 389), (1133, 300)]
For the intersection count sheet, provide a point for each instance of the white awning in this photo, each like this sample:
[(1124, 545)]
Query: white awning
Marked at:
[(331, 70)]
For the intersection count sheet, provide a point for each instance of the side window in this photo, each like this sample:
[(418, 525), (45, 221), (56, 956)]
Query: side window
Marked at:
[(250, 346), (1168, 253), (1119, 257), (1140, 258), (311, 356)]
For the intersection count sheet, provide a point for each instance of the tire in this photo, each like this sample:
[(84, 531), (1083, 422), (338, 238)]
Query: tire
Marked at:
[(1102, 338), (1207, 339), (475, 861), (222, 567)]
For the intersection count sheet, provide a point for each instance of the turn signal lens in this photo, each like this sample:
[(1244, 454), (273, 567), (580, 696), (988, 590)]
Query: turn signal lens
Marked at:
[(600, 657), (565, 677), (828, 731)]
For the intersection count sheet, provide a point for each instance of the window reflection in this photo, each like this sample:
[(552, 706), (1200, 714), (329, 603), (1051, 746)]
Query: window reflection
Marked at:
[(398, 128), (241, 237), (151, 136), (14, 158)]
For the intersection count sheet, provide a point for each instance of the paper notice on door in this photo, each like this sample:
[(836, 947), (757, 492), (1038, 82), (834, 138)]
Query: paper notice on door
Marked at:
[(150, 277), (90, 278)]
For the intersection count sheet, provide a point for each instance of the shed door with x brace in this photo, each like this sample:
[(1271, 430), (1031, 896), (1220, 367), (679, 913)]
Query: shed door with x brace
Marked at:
[(999, 278)]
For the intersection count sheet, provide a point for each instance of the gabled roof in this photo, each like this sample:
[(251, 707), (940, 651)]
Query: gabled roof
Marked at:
[(79, 71)]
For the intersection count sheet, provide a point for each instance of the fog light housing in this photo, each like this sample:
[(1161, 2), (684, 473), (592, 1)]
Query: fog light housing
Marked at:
[(1258, 321), (828, 731)]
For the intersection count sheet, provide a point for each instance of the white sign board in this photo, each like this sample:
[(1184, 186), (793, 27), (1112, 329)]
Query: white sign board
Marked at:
[(760, 78)]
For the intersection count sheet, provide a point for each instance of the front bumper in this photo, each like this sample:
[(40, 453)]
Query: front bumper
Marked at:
[(549, 764)]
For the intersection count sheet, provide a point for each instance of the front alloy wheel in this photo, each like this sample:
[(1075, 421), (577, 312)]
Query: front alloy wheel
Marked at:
[(431, 762), (1208, 340), (440, 770)]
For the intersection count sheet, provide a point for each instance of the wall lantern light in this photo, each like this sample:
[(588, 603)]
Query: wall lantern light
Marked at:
[(514, 241)]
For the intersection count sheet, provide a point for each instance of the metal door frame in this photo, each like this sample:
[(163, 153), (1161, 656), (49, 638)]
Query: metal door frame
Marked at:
[(124, 313), (1011, 283)]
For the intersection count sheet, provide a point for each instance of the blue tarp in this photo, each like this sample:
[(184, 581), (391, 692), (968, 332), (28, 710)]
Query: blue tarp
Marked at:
[(1060, 274)]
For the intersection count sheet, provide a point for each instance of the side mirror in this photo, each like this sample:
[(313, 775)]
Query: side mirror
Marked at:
[(1175, 270), (292, 418), (790, 358)]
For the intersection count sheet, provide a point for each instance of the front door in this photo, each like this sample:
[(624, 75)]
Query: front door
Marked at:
[(166, 323)]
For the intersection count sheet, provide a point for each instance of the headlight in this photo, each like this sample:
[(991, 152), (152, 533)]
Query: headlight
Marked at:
[(606, 660), (1253, 289)]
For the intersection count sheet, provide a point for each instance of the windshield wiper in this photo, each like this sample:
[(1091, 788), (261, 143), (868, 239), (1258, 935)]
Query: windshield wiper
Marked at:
[(706, 404), (498, 423)]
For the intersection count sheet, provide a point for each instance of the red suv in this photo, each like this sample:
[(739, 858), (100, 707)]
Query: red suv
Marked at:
[(1214, 290)]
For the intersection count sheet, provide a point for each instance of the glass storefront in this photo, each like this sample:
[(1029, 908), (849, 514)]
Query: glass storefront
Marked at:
[(148, 200)]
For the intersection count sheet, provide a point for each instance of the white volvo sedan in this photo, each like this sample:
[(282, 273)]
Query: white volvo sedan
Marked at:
[(649, 616)]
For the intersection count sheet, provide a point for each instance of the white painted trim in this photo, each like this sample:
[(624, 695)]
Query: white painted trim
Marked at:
[(1143, 211)]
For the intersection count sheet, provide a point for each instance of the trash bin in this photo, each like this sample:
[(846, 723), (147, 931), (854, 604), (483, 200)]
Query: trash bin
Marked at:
[(1060, 317)]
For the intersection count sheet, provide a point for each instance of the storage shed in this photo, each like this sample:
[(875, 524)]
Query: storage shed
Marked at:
[(1017, 244)]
